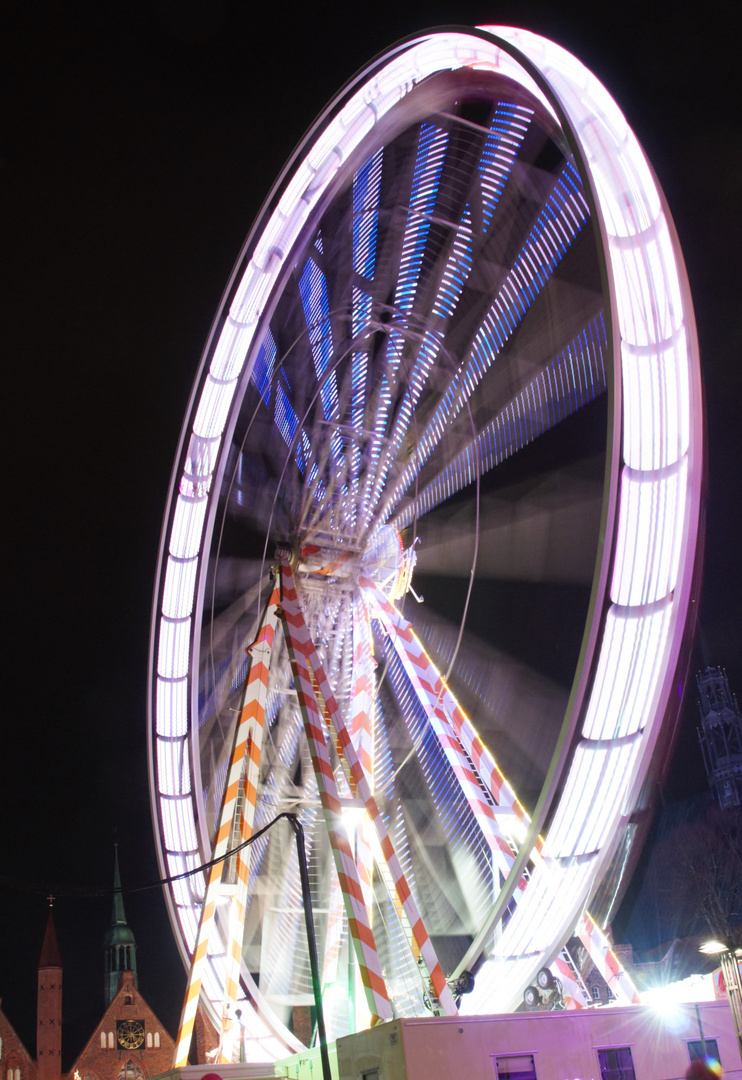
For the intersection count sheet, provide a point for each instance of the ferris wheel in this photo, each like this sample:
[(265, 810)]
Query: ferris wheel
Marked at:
[(430, 548)]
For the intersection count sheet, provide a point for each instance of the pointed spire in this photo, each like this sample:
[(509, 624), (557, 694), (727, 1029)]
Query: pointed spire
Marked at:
[(119, 946), (50, 954), (118, 918)]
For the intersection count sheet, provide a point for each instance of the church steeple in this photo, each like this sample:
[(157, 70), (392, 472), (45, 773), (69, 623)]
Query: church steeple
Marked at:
[(119, 947), (49, 1006)]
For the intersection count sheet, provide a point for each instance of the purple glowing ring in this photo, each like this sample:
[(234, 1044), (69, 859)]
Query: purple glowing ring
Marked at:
[(645, 344)]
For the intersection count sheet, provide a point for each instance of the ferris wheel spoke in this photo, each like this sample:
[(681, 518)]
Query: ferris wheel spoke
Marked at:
[(314, 297), (436, 695), (572, 379), (365, 236), (564, 215), (529, 533), (484, 187), (423, 190)]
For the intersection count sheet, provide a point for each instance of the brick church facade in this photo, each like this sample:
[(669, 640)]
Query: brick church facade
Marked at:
[(128, 1043), (15, 1061)]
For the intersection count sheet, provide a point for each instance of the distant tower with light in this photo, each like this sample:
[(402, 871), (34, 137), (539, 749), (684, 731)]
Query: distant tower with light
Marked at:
[(720, 736), (119, 947), (49, 1006)]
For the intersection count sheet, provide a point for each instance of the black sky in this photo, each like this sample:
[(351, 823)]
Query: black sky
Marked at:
[(138, 143)]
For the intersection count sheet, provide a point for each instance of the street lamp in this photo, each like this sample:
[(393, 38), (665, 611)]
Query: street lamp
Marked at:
[(728, 958)]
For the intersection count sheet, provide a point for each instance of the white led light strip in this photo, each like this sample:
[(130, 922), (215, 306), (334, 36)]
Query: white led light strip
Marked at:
[(656, 525), (657, 493)]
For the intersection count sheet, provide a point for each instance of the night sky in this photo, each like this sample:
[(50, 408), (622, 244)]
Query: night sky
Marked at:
[(138, 142)]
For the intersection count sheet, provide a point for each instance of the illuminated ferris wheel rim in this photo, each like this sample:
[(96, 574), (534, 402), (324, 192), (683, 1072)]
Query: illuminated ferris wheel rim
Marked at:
[(643, 583)]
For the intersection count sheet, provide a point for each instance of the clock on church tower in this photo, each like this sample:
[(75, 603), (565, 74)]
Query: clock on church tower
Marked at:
[(130, 1034)]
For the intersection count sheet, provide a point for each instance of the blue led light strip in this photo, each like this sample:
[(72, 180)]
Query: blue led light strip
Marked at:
[(423, 192), (262, 372), (366, 189), (287, 423), (366, 192), (457, 269), (507, 131), (313, 291), (561, 219)]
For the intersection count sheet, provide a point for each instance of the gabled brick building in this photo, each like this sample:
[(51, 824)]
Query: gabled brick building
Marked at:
[(15, 1061), (128, 1043)]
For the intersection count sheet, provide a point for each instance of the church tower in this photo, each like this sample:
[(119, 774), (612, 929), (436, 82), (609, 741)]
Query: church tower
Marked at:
[(49, 1007), (119, 947), (129, 1041)]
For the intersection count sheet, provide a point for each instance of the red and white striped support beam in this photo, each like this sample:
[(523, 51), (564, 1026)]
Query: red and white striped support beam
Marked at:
[(300, 648), (463, 749), (247, 742), (442, 708), (610, 967), (253, 711), (403, 636), (362, 700), (427, 952), (362, 736)]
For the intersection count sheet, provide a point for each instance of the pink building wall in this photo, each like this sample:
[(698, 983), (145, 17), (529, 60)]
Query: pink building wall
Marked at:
[(564, 1045)]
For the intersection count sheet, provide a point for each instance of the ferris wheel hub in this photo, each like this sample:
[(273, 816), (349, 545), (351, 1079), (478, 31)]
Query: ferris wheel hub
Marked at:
[(384, 561)]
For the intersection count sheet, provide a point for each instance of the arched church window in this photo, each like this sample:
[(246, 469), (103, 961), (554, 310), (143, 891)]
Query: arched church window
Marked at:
[(102, 1040), (130, 1071), (157, 1040), (149, 1040), (110, 1040)]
